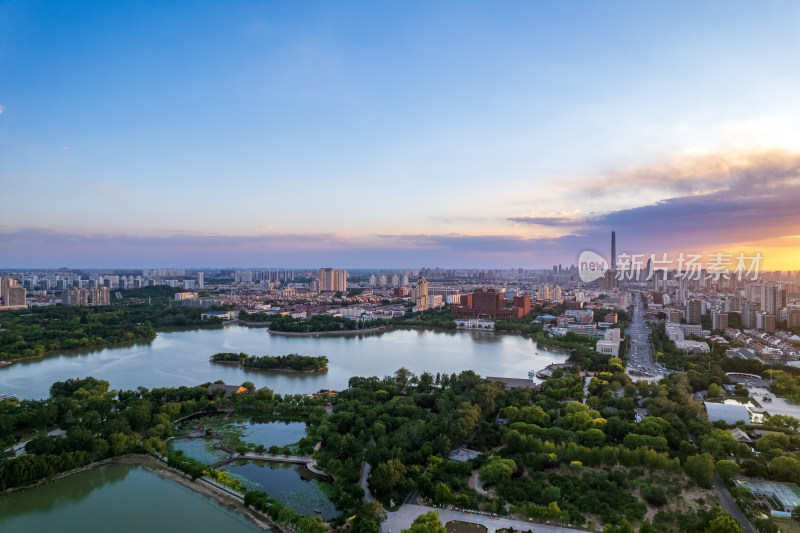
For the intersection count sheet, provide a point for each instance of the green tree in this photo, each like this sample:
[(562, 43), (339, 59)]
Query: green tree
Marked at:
[(426, 523), (369, 517), (442, 494), (785, 468), (386, 477), (700, 468), (714, 391), (496, 470), (551, 493), (727, 469), (723, 524), (784, 421)]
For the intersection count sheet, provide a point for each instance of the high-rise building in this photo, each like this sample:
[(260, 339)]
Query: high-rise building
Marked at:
[(420, 294), (524, 303), (770, 298), (733, 304), (749, 310), (765, 322), (719, 320), (201, 283), (332, 280), (793, 318), (72, 297), (12, 294), (674, 316), (243, 276), (694, 310), (488, 303), (99, 296), (613, 251)]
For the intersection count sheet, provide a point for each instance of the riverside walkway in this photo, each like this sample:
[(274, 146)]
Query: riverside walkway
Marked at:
[(306, 460)]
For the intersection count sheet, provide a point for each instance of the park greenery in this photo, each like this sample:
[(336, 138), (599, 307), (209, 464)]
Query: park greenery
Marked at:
[(555, 458), (318, 324), (152, 295), (245, 316), (100, 424), (39, 330), (292, 362), (561, 453), (430, 318)]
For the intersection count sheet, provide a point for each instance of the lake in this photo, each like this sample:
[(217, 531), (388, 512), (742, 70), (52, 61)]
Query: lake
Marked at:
[(120, 498), (182, 358)]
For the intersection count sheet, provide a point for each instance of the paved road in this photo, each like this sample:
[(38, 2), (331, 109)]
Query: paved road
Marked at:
[(641, 356), (730, 505), (402, 518), (411, 499)]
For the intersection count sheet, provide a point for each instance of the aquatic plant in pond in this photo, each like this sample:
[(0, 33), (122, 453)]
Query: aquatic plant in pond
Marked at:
[(282, 482), (199, 449)]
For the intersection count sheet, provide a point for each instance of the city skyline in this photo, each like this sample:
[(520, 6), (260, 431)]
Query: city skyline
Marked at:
[(358, 135)]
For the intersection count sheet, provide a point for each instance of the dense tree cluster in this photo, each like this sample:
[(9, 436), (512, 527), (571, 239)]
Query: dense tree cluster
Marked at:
[(244, 316), (318, 324), (292, 361), (547, 453), (431, 318), (100, 424), (38, 330)]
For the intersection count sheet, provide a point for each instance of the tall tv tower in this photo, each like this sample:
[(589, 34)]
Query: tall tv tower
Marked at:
[(613, 250)]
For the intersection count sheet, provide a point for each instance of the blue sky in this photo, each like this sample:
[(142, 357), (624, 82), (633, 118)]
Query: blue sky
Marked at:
[(394, 133)]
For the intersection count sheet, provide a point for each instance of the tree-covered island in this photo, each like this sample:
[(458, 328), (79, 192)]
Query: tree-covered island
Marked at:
[(292, 362)]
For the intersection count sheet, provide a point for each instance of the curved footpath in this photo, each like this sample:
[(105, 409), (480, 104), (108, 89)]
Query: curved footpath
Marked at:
[(365, 468), (475, 482)]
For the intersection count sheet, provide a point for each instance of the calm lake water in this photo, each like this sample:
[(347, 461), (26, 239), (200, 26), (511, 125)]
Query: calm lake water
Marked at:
[(283, 483), (119, 498), (272, 433), (182, 358)]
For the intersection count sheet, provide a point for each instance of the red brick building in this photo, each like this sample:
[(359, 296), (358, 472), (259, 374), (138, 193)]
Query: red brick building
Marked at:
[(491, 303)]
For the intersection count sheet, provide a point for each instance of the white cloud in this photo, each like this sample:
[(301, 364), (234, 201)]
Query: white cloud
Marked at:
[(1, 109)]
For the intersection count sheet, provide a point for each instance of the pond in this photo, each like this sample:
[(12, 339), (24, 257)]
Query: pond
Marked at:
[(282, 482), (278, 434), (237, 433), (199, 449), (182, 358), (120, 498)]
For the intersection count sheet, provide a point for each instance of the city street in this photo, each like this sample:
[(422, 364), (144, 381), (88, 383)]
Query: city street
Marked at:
[(640, 356)]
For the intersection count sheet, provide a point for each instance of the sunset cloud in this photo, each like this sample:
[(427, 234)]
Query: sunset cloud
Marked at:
[(713, 201)]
